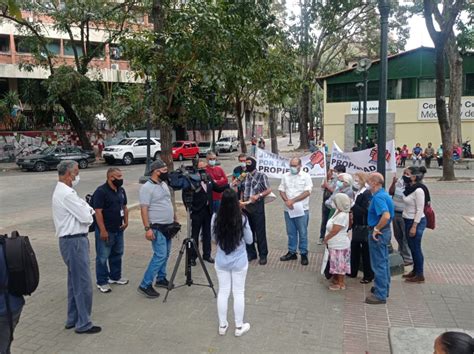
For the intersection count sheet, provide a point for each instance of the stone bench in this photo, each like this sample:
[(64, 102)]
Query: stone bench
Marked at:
[(416, 340), (468, 163)]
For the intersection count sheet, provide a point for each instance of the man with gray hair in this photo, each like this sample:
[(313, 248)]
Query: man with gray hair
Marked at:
[(72, 217), (295, 189)]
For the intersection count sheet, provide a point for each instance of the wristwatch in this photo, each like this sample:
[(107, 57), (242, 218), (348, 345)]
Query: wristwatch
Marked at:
[(147, 228), (260, 195)]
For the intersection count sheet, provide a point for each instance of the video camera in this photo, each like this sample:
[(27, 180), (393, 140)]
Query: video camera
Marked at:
[(188, 180)]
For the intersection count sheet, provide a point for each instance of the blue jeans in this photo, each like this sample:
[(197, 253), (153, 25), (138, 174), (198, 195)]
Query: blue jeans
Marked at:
[(75, 253), (111, 252), (415, 244), (215, 206), (157, 267), (297, 227), (380, 262)]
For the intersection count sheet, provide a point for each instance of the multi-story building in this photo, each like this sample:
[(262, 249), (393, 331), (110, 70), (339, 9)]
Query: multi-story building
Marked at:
[(411, 108)]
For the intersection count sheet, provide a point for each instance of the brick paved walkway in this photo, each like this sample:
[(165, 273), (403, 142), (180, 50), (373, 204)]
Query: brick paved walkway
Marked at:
[(288, 305)]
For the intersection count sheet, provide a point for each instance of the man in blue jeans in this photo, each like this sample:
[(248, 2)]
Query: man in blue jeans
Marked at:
[(111, 213), (15, 304), (156, 209), (381, 212), (295, 189)]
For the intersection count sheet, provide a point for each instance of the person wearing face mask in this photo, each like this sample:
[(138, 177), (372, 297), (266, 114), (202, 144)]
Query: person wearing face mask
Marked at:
[(111, 213), (238, 175), (328, 186), (255, 189), (201, 213), (295, 187), (396, 191), (379, 217), (360, 229), (156, 209), (415, 197), (343, 185), (72, 217), (218, 176)]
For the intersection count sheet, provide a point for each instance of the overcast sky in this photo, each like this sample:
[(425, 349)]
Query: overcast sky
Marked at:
[(419, 35)]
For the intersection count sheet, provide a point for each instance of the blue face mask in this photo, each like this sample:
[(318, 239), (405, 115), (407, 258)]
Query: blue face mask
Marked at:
[(339, 184), (212, 162), (294, 170)]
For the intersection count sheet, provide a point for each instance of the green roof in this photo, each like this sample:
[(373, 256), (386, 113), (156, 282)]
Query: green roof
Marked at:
[(416, 63)]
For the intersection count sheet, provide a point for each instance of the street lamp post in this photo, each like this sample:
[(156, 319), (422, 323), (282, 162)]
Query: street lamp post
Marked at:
[(384, 8), (363, 67), (290, 119), (359, 87)]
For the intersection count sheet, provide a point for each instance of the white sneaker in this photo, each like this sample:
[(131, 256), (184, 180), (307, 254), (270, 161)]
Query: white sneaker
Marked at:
[(244, 329), (223, 330), (104, 288), (121, 281)]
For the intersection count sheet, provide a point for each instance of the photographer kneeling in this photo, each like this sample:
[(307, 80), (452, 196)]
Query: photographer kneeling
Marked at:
[(201, 212)]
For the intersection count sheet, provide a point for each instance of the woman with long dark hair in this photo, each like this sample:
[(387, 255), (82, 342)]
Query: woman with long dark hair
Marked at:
[(230, 230), (416, 196), (454, 343)]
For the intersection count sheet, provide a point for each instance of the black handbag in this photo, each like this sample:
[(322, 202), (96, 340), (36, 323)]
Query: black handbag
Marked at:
[(360, 233)]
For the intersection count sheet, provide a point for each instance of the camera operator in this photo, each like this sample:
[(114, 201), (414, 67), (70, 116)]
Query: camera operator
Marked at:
[(201, 212)]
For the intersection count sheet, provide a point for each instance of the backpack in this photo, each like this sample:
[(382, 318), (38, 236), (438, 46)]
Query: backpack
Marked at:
[(22, 266), (89, 199)]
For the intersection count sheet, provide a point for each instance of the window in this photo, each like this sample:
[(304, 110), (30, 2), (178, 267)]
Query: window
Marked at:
[(373, 91), (426, 88), (469, 85), (54, 46), (68, 49), (24, 44), (4, 44), (394, 89), (409, 88), (4, 87), (99, 53)]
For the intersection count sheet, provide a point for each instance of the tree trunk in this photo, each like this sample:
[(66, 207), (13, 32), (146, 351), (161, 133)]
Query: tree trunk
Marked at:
[(166, 137), (76, 124), (304, 119), (455, 74), (273, 131), (443, 121), (238, 116)]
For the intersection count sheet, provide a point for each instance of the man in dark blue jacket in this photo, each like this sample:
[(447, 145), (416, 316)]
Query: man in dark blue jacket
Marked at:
[(15, 304)]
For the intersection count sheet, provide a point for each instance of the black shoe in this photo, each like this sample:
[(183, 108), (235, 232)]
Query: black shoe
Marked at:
[(92, 330), (209, 259), (288, 257), (372, 289), (262, 261), (148, 292), (163, 283), (69, 326), (251, 258), (192, 261), (304, 260)]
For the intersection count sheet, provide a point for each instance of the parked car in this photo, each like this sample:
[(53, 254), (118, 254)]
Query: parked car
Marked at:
[(205, 147), (228, 144), (52, 156), (183, 149), (129, 150)]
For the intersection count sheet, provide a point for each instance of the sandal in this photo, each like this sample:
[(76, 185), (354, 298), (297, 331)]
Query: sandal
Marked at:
[(342, 287), (335, 287), (365, 281)]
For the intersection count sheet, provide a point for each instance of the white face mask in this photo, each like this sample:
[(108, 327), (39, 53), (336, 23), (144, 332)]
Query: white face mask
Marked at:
[(75, 182), (243, 164), (212, 162), (356, 185), (367, 186)]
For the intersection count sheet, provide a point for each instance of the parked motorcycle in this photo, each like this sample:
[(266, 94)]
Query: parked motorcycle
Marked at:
[(466, 149)]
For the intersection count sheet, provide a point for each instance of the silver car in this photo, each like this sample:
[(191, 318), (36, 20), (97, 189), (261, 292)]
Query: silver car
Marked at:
[(205, 147), (228, 144)]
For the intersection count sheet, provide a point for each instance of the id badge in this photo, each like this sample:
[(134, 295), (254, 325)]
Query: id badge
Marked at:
[(122, 214)]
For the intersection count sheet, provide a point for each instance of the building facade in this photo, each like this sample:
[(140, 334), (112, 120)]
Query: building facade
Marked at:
[(411, 108)]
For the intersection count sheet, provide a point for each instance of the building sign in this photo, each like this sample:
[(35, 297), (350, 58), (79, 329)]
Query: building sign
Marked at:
[(427, 109), (372, 107)]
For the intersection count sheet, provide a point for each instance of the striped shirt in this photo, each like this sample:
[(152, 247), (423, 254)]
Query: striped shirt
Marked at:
[(254, 184)]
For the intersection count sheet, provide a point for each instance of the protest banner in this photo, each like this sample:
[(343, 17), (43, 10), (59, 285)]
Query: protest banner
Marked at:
[(275, 166), (364, 160)]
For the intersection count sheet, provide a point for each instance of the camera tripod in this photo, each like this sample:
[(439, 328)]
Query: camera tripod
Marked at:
[(188, 245)]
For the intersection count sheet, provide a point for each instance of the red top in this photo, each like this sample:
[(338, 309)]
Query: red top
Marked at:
[(218, 175)]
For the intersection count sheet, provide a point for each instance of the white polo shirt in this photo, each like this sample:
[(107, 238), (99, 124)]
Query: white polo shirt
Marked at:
[(295, 185), (71, 214)]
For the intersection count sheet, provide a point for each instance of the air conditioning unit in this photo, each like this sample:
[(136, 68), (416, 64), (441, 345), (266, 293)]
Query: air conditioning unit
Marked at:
[(114, 67)]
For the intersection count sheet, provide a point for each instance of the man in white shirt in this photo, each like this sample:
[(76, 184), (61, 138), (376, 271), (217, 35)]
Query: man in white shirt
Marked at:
[(72, 217), (295, 189)]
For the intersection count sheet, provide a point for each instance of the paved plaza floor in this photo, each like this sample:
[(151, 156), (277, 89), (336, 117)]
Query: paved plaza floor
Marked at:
[(288, 306)]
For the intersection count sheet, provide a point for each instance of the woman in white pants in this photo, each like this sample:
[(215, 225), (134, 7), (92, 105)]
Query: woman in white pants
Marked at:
[(230, 230)]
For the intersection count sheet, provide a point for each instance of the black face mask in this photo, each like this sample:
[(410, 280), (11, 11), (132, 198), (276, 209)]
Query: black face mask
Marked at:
[(252, 166), (163, 176), (406, 179), (117, 183)]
